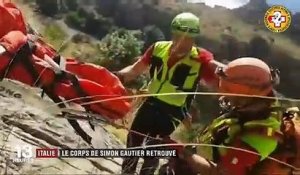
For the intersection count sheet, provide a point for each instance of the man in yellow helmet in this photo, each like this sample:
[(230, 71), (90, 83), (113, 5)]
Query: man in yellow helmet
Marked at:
[(175, 66)]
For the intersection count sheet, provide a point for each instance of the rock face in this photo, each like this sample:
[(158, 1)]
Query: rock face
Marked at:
[(27, 119)]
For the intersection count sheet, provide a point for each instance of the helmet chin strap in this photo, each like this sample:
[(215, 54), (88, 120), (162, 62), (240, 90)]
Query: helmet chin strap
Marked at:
[(253, 106), (275, 74)]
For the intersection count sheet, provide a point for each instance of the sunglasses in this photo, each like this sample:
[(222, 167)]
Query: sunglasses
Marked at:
[(187, 29)]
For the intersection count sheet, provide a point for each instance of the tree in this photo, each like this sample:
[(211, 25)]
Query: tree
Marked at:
[(74, 19), (259, 47), (71, 4), (294, 30), (151, 35), (98, 25), (107, 7), (48, 7)]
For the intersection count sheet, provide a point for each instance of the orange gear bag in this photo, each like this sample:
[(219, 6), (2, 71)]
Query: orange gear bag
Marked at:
[(11, 18)]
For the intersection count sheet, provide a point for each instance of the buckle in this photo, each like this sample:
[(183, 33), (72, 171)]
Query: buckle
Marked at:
[(275, 76), (2, 50), (220, 72)]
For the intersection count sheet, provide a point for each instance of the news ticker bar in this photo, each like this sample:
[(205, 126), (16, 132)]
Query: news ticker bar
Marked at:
[(94, 153)]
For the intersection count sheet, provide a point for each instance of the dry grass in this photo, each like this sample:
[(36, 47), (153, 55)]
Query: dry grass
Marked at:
[(122, 133), (180, 133), (54, 35), (84, 51)]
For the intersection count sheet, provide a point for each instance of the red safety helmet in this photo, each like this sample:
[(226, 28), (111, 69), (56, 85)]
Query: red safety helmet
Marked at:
[(247, 76)]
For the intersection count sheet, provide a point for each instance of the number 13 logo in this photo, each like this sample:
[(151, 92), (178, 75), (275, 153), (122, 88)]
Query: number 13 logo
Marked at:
[(24, 151)]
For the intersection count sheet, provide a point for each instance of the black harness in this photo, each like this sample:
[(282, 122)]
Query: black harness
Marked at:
[(23, 56)]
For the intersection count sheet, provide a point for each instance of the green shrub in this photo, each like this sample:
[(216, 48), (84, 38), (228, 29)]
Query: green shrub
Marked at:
[(119, 48), (75, 20)]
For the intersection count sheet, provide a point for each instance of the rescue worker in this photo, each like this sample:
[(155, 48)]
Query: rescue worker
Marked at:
[(175, 66), (253, 124)]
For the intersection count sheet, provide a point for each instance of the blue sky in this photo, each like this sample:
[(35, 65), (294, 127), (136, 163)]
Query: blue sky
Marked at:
[(292, 5)]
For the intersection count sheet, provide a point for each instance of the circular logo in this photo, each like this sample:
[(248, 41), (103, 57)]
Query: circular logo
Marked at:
[(278, 19)]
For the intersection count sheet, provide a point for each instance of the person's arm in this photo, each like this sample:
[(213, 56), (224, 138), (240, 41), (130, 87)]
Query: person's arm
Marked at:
[(210, 77), (202, 165), (235, 162), (129, 73), (196, 163), (139, 67), (208, 71)]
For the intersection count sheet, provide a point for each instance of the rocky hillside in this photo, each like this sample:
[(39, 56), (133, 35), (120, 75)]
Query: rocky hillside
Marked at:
[(227, 33), (26, 119)]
